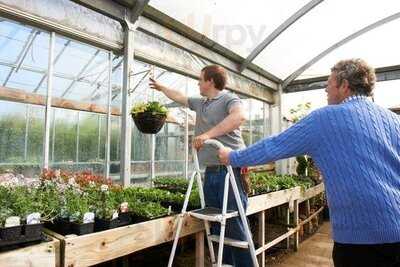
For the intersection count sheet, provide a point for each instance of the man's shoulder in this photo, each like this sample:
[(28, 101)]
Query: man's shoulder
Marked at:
[(229, 95)]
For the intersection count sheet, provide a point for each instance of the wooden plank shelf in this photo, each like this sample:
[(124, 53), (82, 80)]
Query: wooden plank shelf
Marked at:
[(111, 244), (45, 254)]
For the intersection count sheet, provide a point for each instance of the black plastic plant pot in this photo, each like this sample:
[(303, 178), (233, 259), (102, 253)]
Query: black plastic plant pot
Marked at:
[(82, 228), (33, 230), (125, 218), (176, 207), (149, 122), (11, 233), (62, 226), (101, 224), (139, 219)]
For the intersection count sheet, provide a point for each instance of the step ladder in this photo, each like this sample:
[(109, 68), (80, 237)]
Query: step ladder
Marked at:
[(210, 214)]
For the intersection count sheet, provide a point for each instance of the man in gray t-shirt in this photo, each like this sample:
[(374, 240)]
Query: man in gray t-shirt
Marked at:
[(209, 113), (219, 115)]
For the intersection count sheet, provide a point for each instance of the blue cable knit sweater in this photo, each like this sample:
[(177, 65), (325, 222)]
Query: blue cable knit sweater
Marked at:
[(356, 146)]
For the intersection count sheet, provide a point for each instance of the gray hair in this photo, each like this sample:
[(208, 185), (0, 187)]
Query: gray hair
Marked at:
[(360, 76)]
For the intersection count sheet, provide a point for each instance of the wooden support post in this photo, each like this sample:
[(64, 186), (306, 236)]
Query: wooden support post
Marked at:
[(200, 249), (261, 237), (296, 223), (288, 222), (309, 225)]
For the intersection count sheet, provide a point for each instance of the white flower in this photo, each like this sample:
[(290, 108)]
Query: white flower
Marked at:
[(104, 188), (71, 181), (57, 173)]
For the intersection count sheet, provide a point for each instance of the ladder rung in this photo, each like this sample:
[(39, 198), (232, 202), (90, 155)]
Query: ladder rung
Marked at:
[(223, 265), (231, 242), (212, 214)]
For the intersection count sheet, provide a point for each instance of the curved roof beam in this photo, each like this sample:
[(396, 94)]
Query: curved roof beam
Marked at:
[(292, 19), (366, 29)]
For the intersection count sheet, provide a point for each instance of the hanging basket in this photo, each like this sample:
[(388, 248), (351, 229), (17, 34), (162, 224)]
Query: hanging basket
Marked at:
[(149, 122)]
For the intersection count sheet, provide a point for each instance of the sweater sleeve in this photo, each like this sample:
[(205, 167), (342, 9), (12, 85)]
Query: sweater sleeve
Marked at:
[(299, 139)]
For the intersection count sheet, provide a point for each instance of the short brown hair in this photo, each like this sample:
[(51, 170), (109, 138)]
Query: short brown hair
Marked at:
[(360, 76), (217, 74)]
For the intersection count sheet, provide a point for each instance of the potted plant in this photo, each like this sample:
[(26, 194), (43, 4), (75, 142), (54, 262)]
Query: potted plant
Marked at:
[(144, 211), (149, 117), (80, 215), (106, 210), (173, 184), (10, 226), (24, 202)]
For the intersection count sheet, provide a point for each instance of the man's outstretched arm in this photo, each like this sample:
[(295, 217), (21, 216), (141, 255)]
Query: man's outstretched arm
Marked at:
[(297, 140)]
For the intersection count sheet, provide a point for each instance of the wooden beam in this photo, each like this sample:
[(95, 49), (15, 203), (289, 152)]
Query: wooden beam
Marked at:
[(103, 246), (43, 254), (270, 200), (17, 95), (261, 237), (200, 249)]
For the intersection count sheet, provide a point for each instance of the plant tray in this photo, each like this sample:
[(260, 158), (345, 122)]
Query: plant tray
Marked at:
[(101, 224), (82, 228)]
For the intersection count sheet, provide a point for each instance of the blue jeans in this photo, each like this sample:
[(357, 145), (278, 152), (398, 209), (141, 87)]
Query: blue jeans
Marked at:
[(213, 193)]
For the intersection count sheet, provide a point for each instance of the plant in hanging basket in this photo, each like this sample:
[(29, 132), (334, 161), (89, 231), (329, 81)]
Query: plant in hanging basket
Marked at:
[(149, 117)]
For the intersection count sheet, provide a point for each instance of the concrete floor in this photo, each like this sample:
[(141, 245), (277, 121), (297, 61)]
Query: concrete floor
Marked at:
[(316, 251)]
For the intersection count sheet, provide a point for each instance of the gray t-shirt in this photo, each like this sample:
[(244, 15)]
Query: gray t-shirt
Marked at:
[(209, 113)]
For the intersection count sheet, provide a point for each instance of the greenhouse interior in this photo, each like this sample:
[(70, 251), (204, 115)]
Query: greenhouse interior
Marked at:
[(81, 185)]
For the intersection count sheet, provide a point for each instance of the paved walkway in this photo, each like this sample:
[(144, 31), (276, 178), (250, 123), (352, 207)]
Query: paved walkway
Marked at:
[(316, 251)]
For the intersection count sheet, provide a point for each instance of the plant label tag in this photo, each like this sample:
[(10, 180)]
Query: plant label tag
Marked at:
[(33, 218), (88, 217), (169, 210), (124, 207), (115, 215), (12, 221)]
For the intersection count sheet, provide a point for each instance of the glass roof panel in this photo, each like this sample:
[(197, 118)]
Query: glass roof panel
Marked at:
[(326, 24), (378, 47), (237, 25)]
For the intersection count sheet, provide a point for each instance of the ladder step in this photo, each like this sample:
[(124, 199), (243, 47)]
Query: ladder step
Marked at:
[(223, 265), (212, 214), (230, 242)]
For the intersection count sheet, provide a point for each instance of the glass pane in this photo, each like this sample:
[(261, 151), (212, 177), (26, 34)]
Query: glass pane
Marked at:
[(63, 138), (115, 138), (219, 20), (257, 120), (12, 132), (320, 29), (376, 47), (35, 134), (24, 55), (21, 138), (246, 129), (387, 94), (81, 72)]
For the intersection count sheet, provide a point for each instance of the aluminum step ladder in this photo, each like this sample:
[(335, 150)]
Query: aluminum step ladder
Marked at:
[(210, 214)]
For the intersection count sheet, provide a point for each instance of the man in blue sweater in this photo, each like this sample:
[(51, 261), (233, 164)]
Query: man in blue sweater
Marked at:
[(356, 145)]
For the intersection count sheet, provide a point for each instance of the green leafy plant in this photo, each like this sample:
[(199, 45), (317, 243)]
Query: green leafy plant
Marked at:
[(148, 210), (23, 201), (172, 184), (77, 204), (4, 214), (154, 107), (106, 202)]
